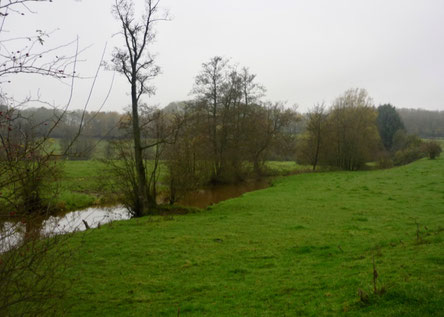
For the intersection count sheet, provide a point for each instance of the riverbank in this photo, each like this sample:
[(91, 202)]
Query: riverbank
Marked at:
[(304, 246), (85, 183)]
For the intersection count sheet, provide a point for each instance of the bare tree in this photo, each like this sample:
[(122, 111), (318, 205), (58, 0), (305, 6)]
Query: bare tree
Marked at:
[(162, 129), (30, 267), (209, 88), (136, 63), (268, 126), (315, 126), (27, 54)]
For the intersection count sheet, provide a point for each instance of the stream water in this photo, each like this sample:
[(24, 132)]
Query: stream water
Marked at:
[(12, 233)]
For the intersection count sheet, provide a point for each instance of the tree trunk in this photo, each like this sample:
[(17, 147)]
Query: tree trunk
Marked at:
[(318, 144), (141, 202)]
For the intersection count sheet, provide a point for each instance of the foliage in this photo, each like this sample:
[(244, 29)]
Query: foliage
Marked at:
[(354, 137), (433, 149), (345, 137), (301, 247), (409, 148), (408, 155), (388, 123), (385, 161)]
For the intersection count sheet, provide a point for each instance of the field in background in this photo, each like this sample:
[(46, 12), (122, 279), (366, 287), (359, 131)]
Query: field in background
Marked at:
[(302, 247), (441, 141)]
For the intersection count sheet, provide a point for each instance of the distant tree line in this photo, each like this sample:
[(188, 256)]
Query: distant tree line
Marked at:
[(424, 123), (77, 131), (95, 124)]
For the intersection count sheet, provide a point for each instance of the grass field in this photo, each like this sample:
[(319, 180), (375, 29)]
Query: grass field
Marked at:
[(83, 184), (302, 247)]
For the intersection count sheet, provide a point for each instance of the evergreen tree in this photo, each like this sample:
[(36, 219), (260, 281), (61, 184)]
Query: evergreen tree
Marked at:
[(389, 123)]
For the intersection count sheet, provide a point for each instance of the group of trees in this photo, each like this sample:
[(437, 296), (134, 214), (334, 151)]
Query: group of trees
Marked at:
[(223, 135), (232, 123), (227, 132), (214, 136), (344, 136), (353, 132)]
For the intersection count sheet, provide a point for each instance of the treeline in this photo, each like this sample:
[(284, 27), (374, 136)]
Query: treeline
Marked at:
[(64, 124), (76, 132), (353, 132), (424, 123)]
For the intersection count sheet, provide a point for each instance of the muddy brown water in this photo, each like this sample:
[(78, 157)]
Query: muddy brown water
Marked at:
[(12, 233), (203, 198)]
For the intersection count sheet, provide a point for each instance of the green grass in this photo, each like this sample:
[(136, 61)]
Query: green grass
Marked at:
[(302, 247), (285, 167), (86, 183), (83, 184)]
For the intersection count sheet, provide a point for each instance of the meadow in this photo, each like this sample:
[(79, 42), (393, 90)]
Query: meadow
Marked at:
[(308, 245)]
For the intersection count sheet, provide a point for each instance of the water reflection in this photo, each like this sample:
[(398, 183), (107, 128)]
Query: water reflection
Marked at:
[(205, 197), (82, 219), (10, 234), (13, 233)]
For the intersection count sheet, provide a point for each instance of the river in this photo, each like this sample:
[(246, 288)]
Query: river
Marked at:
[(80, 220)]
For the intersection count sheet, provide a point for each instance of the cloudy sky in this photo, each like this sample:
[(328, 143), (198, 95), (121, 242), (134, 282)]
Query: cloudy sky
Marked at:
[(302, 51)]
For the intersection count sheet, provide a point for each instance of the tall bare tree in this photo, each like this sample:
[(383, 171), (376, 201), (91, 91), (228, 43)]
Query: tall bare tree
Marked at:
[(136, 63), (209, 87)]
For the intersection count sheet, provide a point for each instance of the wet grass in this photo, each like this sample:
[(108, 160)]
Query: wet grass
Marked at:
[(303, 247)]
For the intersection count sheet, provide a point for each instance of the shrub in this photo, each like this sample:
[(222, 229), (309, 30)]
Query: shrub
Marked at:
[(432, 149), (385, 162), (408, 155)]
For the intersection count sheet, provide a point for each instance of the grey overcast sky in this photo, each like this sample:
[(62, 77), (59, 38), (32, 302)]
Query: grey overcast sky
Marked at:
[(302, 51)]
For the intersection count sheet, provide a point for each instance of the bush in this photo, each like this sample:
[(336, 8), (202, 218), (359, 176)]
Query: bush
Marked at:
[(432, 149), (408, 155), (385, 162)]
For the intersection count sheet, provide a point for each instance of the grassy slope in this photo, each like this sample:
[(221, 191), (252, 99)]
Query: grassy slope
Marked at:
[(301, 247)]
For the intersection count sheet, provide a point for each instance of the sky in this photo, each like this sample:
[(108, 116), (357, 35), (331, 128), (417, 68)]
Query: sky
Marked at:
[(304, 52)]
